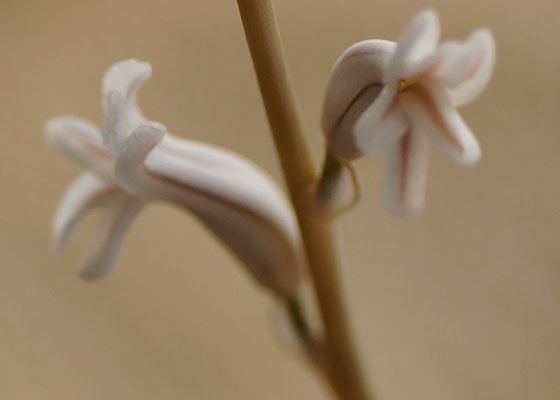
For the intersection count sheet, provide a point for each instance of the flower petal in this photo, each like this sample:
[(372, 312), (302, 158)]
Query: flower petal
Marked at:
[(85, 193), (470, 71), (126, 77), (417, 42), (271, 256), (354, 83), (148, 169), (207, 155), (431, 112), (382, 123), (405, 174), (182, 180), (443, 56), (342, 140), (104, 248), (129, 165), (117, 127), (249, 215), (81, 141), (358, 67)]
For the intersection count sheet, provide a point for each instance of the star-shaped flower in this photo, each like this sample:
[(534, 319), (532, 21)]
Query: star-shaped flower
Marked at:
[(393, 96), (134, 161)]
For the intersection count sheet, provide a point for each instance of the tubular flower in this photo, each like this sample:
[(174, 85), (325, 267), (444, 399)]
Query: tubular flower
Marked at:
[(133, 161), (394, 96)]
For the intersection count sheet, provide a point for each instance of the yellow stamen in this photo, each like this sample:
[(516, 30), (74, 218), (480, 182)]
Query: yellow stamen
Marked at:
[(405, 83)]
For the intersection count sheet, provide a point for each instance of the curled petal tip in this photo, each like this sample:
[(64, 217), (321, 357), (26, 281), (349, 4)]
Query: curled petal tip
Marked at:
[(424, 20), (51, 130), (484, 35), (126, 77), (100, 263), (426, 17), (483, 38), (471, 155), (61, 236), (481, 48), (53, 133), (416, 43)]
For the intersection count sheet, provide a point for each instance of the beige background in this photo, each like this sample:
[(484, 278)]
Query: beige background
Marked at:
[(460, 303)]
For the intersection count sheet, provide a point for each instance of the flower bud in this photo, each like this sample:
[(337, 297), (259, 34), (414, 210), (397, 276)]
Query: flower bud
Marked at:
[(354, 84)]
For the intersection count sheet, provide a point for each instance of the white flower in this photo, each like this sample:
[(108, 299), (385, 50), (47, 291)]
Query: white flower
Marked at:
[(392, 96), (134, 161)]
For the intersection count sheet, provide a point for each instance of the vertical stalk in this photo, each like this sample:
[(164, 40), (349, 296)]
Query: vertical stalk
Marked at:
[(340, 363)]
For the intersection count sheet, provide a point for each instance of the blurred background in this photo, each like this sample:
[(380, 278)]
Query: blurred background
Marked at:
[(460, 303)]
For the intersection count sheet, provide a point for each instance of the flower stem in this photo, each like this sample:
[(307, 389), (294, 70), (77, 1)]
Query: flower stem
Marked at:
[(331, 193), (298, 320), (340, 364), (330, 175)]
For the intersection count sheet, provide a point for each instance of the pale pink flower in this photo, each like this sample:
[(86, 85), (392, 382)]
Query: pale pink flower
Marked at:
[(385, 96), (133, 161)]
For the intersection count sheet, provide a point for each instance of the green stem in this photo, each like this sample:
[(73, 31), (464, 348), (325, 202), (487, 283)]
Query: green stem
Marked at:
[(332, 193), (340, 364), (299, 321), (330, 175)]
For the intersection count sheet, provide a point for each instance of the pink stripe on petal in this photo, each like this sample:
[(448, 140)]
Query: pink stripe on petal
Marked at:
[(430, 111), (405, 174), (470, 73), (480, 58), (80, 141), (404, 153), (359, 67)]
